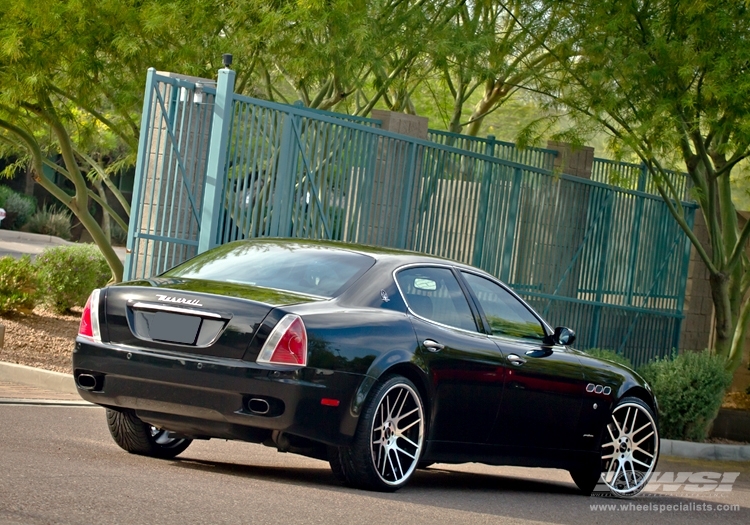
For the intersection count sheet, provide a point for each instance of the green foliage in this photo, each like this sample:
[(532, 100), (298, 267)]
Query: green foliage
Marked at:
[(20, 207), (68, 274), (610, 355), (51, 221), (668, 81), (4, 192), (689, 389), (18, 285), (119, 236)]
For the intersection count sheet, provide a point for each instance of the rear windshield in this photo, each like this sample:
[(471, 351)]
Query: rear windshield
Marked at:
[(306, 269)]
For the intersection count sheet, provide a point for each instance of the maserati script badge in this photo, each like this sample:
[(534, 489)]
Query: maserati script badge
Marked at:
[(179, 300)]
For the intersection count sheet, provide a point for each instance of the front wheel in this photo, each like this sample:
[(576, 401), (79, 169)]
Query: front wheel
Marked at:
[(630, 450), (389, 439), (138, 437)]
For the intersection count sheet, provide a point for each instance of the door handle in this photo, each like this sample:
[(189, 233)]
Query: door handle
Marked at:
[(432, 346), (515, 360)]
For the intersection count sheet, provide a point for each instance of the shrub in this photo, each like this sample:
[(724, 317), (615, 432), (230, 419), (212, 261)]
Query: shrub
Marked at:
[(610, 355), (689, 389), (51, 221), (4, 192), (21, 206), (118, 235), (68, 274), (18, 285)]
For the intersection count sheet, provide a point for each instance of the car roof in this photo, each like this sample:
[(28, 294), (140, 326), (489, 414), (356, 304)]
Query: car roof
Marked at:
[(379, 253)]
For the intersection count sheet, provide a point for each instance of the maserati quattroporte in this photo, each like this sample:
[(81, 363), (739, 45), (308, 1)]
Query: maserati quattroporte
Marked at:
[(378, 361)]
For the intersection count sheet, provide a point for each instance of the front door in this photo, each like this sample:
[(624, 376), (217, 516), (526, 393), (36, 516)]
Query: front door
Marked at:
[(543, 384)]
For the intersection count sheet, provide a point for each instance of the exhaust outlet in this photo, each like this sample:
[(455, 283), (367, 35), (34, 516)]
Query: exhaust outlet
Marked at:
[(90, 382), (86, 381), (258, 406)]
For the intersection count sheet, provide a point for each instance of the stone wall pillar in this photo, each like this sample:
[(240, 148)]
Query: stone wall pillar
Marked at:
[(576, 161), (697, 327), (395, 182)]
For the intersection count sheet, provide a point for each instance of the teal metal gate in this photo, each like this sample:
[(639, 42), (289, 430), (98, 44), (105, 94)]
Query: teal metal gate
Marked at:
[(607, 261)]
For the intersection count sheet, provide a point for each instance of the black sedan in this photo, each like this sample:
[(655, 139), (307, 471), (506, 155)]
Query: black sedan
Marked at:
[(378, 361)]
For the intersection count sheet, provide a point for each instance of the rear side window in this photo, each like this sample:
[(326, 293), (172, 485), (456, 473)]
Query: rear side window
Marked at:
[(311, 270), (434, 293)]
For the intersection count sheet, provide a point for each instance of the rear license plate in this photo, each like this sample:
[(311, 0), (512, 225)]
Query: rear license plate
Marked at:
[(173, 328)]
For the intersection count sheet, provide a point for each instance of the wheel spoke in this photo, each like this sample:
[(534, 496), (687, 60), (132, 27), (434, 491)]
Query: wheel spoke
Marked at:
[(614, 439), (634, 460), (644, 439), (399, 418), (399, 449), (648, 423), (409, 441), (639, 449), (611, 464), (632, 426), (398, 461), (401, 408), (407, 427), (390, 461)]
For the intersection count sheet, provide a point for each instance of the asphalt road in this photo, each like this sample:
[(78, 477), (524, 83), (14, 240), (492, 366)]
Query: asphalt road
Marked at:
[(59, 465)]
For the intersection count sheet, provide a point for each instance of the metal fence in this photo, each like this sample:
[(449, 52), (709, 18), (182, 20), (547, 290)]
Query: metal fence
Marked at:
[(607, 261), (537, 157)]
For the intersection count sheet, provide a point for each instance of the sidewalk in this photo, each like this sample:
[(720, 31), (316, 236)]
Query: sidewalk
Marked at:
[(16, 244), (25, 385)]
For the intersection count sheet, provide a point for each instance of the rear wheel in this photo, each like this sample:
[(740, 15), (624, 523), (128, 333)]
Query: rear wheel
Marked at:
[(138, 437), (389, 439)]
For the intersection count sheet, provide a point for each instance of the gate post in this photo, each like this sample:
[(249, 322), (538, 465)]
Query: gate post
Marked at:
[(216, 170), (140, 175)]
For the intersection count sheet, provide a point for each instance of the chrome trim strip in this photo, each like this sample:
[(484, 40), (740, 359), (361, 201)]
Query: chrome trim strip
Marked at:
[(175, 309)]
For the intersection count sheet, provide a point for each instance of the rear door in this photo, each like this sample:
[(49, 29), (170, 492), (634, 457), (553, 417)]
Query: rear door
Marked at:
[(466, 367), (544, 384)]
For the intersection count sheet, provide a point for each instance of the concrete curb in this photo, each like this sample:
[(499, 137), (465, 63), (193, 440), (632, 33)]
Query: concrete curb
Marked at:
[(28, 375), (17, 236), (688, 449)]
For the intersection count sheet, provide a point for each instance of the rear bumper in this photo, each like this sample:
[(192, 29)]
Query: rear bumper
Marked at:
[(208, 397)]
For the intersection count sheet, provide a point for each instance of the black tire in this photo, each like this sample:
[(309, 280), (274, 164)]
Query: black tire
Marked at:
[(629, 446), (137, 437), (357, 465)]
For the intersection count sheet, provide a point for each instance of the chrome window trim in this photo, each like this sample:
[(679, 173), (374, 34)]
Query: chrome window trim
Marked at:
[(448, 267)]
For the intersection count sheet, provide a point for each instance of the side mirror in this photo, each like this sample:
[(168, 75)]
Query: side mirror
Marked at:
[(564, 336)]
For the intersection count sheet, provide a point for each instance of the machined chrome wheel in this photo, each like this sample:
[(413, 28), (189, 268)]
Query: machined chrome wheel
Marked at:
[(397, 434), (630, 448), (164, 438)]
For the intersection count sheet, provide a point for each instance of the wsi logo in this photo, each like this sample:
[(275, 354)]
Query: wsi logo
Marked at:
[(178, 300), (671, 482)]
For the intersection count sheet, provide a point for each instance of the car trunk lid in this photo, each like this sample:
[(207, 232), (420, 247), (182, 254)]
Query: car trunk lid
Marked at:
[(190, 316)]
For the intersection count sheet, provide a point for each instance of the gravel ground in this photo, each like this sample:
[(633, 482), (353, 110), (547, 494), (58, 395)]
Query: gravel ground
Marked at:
[(43, 339)]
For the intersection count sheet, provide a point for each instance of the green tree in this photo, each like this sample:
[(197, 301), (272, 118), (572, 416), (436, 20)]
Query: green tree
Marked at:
[(66, 66), (669, 81), (487, 52)]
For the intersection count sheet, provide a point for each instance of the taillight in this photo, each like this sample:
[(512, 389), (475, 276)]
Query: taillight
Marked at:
[(89, 327), (287, 344)]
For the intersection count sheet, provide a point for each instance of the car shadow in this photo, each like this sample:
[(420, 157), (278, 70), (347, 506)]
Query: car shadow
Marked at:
[(424, 481)]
